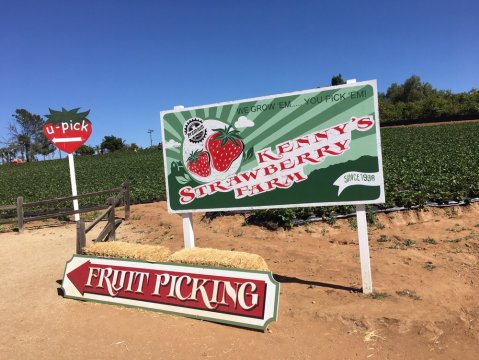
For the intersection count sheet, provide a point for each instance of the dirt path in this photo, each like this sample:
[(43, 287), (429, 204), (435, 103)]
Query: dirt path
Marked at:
[(425, 273)]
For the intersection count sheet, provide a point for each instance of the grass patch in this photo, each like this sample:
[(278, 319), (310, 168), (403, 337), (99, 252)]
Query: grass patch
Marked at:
[(409, 243), (384, 238), (379, 295), (353, 224), (408, 293), (456, 228), (429, 266), (379, 226), (430, 241)]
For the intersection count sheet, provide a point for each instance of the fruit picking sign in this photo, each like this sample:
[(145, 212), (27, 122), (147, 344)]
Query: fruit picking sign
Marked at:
[(238, 297), (308, 148), (67, 130)]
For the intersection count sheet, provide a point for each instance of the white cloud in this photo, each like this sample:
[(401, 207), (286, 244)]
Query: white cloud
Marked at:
[(172, 144), (243, 122)]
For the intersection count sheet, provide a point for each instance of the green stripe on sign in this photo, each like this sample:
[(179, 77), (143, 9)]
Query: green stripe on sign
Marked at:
[(171, 133), (259, 118), (310, 121), (283, 121)]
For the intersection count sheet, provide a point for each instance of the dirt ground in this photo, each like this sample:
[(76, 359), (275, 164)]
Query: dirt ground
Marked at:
[(425, 275)]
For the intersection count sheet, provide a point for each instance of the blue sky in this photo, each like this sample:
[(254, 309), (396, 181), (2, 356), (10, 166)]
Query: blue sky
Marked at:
[(128, 60)]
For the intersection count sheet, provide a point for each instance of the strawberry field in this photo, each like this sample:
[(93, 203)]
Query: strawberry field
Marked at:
[(421, 164)]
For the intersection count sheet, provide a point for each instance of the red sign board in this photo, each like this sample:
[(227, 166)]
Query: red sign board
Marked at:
[(245, 298), (67, 130)]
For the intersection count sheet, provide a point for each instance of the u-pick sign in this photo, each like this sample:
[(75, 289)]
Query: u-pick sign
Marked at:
[(67, 130), (231, 296)]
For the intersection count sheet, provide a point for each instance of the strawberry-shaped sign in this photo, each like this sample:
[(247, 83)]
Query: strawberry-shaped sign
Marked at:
[(224, 146), (67, 130), (199, 163)]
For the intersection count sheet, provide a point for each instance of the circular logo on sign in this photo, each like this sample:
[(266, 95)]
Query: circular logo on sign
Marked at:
[(195, 130)]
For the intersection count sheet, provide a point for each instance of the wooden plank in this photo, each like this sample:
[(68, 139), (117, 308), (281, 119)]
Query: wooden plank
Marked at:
[(9, 222), (104, 233), (126, 200), (103, 236), (63, 213), (8, 207), (111, 220), (81, 236), (97, 220), (69, 198), (118, 197), (20, 213)]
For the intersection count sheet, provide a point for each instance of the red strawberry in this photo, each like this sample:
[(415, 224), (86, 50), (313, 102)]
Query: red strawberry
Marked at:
[(224, 146), (199, 163)]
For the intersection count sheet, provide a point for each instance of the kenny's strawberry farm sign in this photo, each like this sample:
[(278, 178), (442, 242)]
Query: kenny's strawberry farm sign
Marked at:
[(238, 297), (67, 130), (308, 148)]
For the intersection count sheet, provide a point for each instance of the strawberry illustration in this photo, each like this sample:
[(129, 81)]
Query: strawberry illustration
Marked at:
[(224, 146), (199, 163)]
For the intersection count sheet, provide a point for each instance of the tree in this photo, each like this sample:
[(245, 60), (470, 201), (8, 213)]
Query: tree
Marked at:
[(112, 143), (134, 147), (43, 146), (412, 90), (85, 150), (337, 80), (25, 130)]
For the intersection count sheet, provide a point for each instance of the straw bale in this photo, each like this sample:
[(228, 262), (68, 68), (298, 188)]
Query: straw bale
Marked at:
[(221, 258), (119, 249)]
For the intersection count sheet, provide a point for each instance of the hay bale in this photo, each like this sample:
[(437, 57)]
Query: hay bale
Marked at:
[(221, 258), (118, 249)]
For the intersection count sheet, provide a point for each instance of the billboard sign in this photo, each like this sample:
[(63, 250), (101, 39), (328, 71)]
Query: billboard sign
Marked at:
[(307, 148)]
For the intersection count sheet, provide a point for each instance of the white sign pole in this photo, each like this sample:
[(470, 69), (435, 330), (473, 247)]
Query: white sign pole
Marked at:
[(364, 249), (74, 184), (188, 234), (363, 241)]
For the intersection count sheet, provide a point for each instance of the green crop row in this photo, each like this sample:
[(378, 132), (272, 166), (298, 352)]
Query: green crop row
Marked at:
[(49, 179), (429, 163)]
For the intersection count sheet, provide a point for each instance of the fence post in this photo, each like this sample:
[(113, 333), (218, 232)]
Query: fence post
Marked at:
[(20, 213), (126, 199), (111, 219), (81, 236)]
